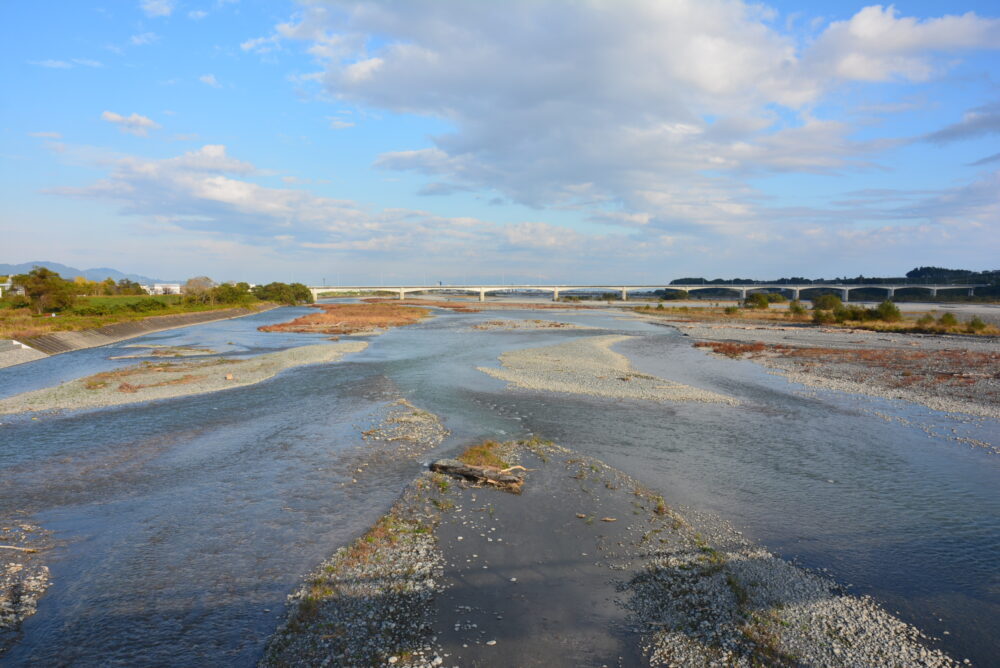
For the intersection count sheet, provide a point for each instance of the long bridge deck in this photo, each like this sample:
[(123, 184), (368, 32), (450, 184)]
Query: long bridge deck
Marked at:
[(743, 290)]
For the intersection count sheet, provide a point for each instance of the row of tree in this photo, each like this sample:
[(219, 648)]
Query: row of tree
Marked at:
[(45, 291), (917, 275)]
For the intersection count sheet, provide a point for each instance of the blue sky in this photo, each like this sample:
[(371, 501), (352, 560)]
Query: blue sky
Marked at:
[(563, 141)]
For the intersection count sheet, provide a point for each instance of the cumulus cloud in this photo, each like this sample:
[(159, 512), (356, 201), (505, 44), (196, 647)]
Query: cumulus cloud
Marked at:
[(208, 190), (209, 194), (210, 80), (45, 135), (876, 44), (643, 106), (134, 124), (155, 8)]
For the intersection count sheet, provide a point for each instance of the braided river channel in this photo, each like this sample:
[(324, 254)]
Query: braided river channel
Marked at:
[(180, 526)]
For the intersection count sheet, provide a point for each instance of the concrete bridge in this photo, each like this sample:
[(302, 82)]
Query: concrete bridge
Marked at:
[(743, 290)]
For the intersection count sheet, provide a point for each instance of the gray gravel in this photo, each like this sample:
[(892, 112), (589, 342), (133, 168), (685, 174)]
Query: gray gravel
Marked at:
[(24, 577), (858, 378), (12, 353), (371, 603), (221, 375), (458, 575), (589, 366)]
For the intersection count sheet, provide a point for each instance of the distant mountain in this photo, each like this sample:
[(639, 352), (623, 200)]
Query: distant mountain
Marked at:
[(69, 273)]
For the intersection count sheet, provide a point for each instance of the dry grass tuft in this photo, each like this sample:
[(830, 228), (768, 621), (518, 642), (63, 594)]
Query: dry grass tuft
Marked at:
[(484, 455), (730, 349)]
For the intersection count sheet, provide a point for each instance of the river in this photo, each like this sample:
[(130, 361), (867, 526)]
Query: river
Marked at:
[(182, 525)]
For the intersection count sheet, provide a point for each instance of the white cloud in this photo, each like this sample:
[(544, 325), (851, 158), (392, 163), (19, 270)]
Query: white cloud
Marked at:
[(210, 80), (206, 194), (134, 124), (155, 8), (45, 135), (143, 38), (52, 64), (66, 65), (878, 45), (657, 109), (339, 123), (197, 14)]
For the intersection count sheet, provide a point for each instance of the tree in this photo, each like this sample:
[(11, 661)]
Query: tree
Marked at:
[(46, 290), (284, 293), (826, 302), (889, 312), (756, 300), (127, 287), (198, 285)]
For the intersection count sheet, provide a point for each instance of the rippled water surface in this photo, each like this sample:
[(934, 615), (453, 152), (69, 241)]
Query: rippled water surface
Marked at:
[(183, 524)]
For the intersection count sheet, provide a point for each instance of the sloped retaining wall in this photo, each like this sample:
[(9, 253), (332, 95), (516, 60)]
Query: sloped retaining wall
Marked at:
[(64, 342)]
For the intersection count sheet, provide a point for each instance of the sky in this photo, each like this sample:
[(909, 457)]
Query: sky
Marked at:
[(556, 141)]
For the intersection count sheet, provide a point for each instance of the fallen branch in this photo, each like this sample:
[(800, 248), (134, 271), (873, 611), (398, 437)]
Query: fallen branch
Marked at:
[(19, 549), (482, 475)]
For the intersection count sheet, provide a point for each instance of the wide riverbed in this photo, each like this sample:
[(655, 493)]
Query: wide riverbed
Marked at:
[(181, 525)]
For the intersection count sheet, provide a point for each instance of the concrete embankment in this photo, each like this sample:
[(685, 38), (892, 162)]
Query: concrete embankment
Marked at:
[(64, 342)]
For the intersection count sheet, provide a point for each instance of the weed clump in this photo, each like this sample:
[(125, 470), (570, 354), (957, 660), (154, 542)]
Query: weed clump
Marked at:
[(485, 454)]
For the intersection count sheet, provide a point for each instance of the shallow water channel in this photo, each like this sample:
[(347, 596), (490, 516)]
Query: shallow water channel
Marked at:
[(182, 525)]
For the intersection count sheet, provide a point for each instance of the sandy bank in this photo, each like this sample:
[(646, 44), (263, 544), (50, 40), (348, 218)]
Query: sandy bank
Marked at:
[(165, 380), (585, 567), (589, 366)]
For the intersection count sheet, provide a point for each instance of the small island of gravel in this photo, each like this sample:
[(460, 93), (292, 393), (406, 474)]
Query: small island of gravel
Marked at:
[(583, 566), (589, 366), (166, 380)]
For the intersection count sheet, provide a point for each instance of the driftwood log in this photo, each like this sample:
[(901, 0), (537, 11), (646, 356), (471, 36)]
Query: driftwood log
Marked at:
[(506, 479)]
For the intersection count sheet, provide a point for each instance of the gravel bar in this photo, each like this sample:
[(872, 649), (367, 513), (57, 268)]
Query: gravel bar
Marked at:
[(585, 567), (166, 380), (589, 366)]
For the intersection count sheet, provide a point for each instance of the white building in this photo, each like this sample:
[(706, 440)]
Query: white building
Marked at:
[(163, 288)]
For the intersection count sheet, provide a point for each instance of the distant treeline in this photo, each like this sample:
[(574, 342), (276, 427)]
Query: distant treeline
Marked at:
[(45, 291), (917, 275)]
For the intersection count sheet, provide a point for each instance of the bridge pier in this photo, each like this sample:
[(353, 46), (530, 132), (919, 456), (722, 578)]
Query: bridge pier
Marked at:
[(624, 295), (482, 295), (743, 294), (844, 294), (891, 291), (972, 292), (934, 292), (555, 294), (795, 294)]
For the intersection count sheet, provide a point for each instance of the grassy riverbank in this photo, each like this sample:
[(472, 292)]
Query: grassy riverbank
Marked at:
[(94, 312)]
